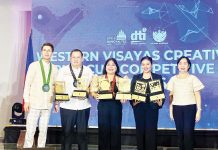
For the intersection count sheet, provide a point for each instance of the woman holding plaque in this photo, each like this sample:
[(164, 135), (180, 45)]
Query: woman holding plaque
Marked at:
[(109, 109), (185, 102), (146, 110)]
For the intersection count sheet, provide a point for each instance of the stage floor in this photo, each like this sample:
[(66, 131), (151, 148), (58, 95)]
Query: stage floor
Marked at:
[(166, 139), (12, 146)]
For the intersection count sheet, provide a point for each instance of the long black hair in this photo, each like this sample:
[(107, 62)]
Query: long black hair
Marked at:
[(115, 62)]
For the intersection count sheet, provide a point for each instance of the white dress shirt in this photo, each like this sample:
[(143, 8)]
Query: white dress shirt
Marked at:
[(65, 75)]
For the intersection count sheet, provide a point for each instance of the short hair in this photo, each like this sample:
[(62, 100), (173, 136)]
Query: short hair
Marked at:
[(188, 60), (115, 62), (48, 44), (76, 50), (147, 58)]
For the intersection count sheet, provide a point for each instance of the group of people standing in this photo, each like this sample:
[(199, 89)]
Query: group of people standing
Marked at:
[(185, 103)]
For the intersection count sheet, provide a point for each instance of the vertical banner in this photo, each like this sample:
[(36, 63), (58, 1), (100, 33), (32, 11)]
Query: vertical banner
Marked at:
[(29, 58)]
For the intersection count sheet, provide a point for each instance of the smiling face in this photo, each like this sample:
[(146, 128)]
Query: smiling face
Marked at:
[(111, 67), (183, 65), (146, 66), (46, 53), (76, 59)]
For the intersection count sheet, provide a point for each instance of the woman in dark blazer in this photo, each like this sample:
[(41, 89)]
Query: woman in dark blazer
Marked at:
[(146, 113)]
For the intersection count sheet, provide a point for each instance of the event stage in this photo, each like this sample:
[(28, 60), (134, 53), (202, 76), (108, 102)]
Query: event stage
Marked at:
[(166, 137)]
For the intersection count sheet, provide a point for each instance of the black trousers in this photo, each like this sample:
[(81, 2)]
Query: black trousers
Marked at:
[(109, 124), (184, 117), (69, 119), (146, 119)]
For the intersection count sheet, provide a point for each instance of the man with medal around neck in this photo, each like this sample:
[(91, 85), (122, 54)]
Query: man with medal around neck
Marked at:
[(38, 96), (74, 112)]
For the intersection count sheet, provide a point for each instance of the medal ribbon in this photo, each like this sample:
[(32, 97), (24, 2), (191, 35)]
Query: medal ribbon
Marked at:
[(43, 73), (73, 74)]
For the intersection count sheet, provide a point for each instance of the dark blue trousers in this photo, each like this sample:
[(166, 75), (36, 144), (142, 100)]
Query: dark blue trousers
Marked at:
[(184, 117), (109, 124), (69, 119), (146, 119)]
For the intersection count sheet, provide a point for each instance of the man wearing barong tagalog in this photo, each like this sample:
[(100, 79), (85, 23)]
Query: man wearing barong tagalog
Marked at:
[(75, 112), (38, 96)]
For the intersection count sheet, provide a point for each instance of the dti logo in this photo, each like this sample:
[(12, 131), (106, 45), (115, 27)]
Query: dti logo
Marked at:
[(160, 35), (139, 36)]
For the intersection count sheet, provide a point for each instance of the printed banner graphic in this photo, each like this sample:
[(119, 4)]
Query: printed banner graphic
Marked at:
[(128, 30)]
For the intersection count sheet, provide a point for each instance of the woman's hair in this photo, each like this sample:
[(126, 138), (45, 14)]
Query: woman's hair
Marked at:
[(188, 60), (115, 62), (147, 58)]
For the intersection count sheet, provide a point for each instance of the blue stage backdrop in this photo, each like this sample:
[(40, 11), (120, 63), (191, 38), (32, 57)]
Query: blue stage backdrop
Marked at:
[(128, 30)]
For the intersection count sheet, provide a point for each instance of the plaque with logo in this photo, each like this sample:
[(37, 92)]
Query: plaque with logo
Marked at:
[(139, 91), (82, 88), (104, 89), (156, 91), (60, 93), (124, 85), (94, 84)]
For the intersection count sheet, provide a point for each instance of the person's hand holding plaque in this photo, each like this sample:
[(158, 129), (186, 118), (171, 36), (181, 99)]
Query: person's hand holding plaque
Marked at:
[(104, 89), (124, 89), (60, 94), (156, 92), (139, 92), (82, 88), (100, 88)]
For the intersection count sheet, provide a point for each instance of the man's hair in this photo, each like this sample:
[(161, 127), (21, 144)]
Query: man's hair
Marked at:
[(48, 44), (76, 50)]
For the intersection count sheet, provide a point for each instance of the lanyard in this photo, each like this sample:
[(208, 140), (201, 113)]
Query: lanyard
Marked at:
[(74, 76), (43, 73)]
